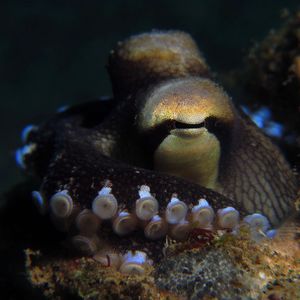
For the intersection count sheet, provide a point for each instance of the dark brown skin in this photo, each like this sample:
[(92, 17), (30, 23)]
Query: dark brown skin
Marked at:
[(82, 147)]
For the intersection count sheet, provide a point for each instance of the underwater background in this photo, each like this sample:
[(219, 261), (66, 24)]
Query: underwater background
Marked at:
[(53, 53)]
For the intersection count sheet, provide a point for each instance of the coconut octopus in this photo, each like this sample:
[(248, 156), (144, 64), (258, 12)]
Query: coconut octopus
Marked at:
[(167, 155)]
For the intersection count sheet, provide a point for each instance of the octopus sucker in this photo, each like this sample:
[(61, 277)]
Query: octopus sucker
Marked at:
[(86, 245), (176, 210), (87, 222), (168, 154), (105, 205), (157, 228), (202, 214), (228, 217), (134, 262), (39, 202), (124, 223), (61, 204), (146, 207)]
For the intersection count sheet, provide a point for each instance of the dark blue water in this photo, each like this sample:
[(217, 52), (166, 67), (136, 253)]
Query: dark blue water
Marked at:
[(53, 53)]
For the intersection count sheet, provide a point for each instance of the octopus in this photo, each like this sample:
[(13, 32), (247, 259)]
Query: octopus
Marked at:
[(167, 156)]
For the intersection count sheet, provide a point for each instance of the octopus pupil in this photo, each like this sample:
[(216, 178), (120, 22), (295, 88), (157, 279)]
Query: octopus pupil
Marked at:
[(180, 125)]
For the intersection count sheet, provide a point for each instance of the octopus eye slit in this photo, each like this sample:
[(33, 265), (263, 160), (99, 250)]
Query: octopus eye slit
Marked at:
[(181, 125)]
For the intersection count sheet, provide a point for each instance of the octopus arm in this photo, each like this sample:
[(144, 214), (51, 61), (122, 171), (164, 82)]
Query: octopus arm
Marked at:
[(257, 174), (83, 171)]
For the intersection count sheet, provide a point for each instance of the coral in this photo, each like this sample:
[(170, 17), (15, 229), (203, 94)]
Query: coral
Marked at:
[(270, 78), (233, 268), (85, 278), (228, 268)]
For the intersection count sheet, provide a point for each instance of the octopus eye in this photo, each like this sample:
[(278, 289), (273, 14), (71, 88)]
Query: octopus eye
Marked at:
[(134, 262), (61, 204), (39, 202), (176, 211), (105, 205), (228, 217), (180, 231), (202, 214), (257, 222), (85, 245), (181, 125), (87, 222), (147, 206), (156, 228), (124, 223)]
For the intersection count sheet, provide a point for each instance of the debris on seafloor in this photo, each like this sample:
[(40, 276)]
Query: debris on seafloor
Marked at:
[(231, 267), (85, 278)]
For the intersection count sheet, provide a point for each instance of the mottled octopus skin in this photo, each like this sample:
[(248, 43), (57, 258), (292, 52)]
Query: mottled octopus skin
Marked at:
[(79, 149)]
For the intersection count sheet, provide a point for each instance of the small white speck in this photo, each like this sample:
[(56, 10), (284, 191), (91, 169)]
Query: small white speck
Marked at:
[(262, 275)]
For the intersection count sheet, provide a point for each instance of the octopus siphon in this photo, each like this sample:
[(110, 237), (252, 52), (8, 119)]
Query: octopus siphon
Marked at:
[(168, 154)]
